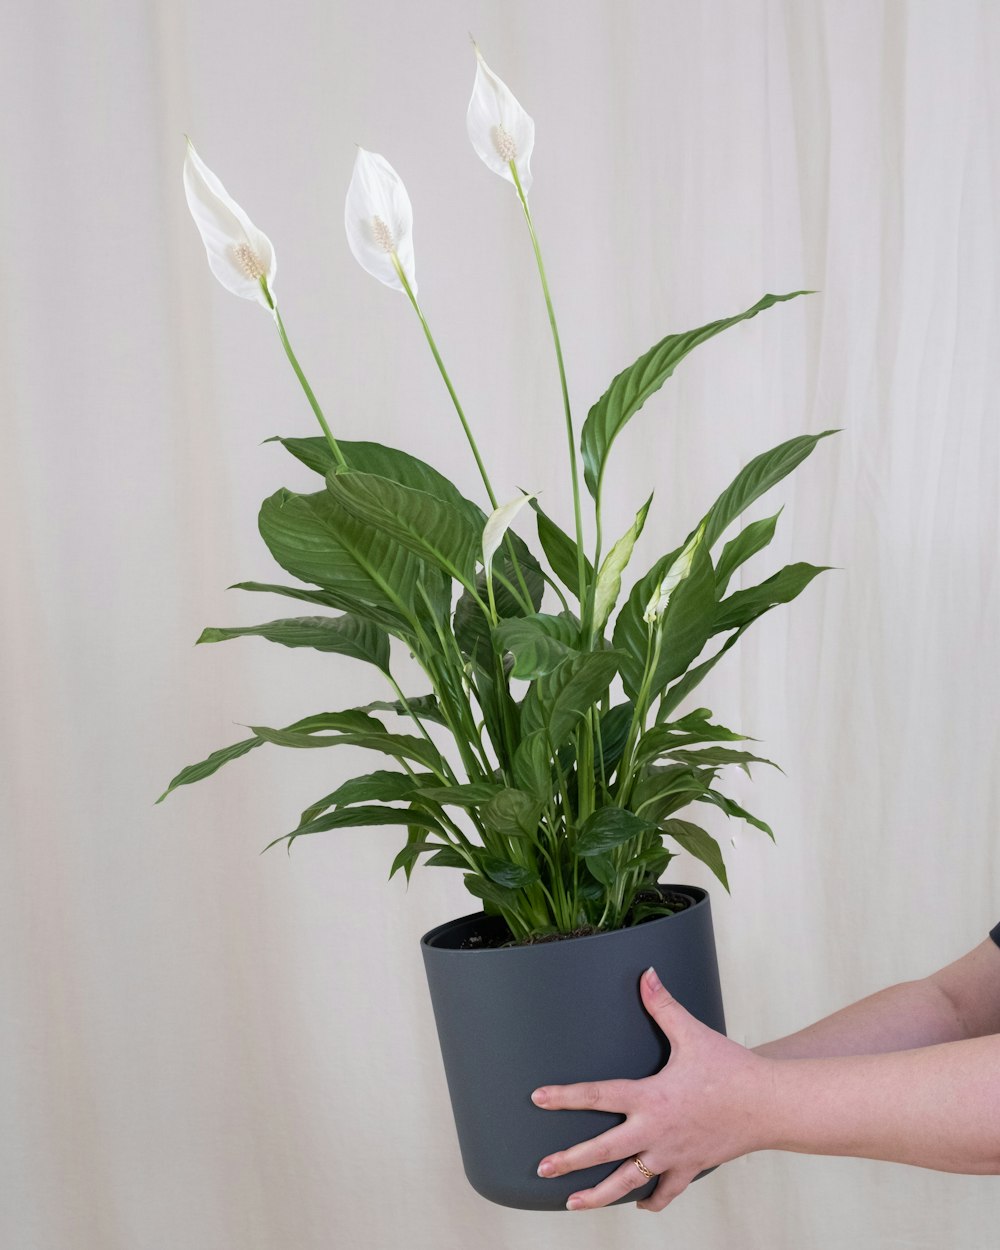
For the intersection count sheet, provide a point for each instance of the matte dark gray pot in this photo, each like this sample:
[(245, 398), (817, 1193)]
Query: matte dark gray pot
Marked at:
[(512, 1019)]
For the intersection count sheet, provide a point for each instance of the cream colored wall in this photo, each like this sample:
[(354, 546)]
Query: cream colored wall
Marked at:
[(204, 1048)]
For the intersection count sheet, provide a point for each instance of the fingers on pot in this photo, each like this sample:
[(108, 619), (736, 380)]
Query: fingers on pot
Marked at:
[(605, 1148), (588, 1096), (619, 1184), (670, 1185)]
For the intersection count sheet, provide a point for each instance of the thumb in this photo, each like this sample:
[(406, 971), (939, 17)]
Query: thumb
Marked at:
[(661, 1005)]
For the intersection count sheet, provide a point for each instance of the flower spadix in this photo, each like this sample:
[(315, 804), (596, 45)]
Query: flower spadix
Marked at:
[(240, 255), (378, 218), (677, 572), (499, 128)]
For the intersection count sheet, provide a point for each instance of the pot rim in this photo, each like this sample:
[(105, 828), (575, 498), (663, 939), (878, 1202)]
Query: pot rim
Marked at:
[(429, 940)]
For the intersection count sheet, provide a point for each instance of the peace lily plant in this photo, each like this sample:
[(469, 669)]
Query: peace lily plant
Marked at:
[(547, 756)]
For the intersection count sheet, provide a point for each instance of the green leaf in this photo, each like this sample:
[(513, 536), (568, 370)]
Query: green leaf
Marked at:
[(687, 623), (505, 872), (317, 540), (425, 706), (695, 727), (561, 552), (755, 479), (389, 462), (753, 538), (614, 726), (559, 701), (324, 598), (345, 635), (384, 785), (699, 843), (205, 768), (608, 828), (447, 857), (472, 625), (399, 746), (681, 689), (733, 809), (532, 765), (472, 794), (357, 817), (538, 643), (512, 814), (609, 579), (634, 385), (603, 868), (500, 896), (664, 790), (744, 606), (435, 531), (720, 756)]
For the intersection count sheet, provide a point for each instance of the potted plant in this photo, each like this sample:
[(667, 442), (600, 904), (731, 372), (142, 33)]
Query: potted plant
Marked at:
[(548, 756)]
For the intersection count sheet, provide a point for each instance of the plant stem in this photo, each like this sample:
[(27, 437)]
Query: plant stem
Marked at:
[(581, 568), (338, 455), (447, 380)]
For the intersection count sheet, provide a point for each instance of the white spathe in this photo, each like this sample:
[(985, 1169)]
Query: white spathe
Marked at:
[(499, 128), (677, 572), (498, 524), (378, 218), (238, 253)]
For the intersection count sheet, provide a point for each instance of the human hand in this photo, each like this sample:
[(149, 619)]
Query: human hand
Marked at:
[(700, 1110)]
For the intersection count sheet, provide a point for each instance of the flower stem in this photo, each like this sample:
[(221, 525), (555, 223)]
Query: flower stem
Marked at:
[(581, 568), (338, 455), (447, 380)]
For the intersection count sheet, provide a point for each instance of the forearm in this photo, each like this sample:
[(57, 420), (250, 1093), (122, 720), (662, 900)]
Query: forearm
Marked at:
[(936, 1107), (912, 1014)]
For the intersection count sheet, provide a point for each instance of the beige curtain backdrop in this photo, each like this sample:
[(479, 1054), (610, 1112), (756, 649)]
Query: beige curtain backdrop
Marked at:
[(203, 1048)]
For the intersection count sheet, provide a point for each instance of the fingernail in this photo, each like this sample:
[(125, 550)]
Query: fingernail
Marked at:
[(574, 1204), (545, 1169), (539, 1096), (652, 980)]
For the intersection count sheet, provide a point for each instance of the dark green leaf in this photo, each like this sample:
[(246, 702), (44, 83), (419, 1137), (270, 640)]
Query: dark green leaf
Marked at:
[(500, 896), (472, 626), (532, 765), (614, 726), (356, 817), (559, 701), (663, 790), (323, 598), (505, 872), (561, 552), (634, 385), (609, 827), (681, 689), (383, 785), (205, 767), (447, 857), (753, 538), (435, 531), (687, 623), (699, 843), (399, 746), (744, 606), (538, 643), (425, 706), (720, 756), (755, 479), (472, 794), (602, 868), (733, 809), (512, 814), (345, 635)]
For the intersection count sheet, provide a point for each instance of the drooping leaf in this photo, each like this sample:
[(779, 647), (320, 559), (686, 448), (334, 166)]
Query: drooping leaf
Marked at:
[(699, 843), (356, 817), (561, 552), (630, 389), (344, 635), (661, 791), (383, 785), (447, 857), (744, 606), (323, 598), (608, 828), (471, 794), (721, 756), (755, 537), (399, 746), (609, 578), (435, 531), (733, 809), (425, 706), (559, 701), (755, 479), (209, 765)]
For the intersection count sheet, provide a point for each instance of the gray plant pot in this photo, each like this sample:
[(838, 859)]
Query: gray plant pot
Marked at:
[(512, 1019)]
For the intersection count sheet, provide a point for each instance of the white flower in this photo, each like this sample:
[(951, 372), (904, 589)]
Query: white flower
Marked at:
[(239, 254), (497, 526), (378, 218), (499, 128), (677, 572)]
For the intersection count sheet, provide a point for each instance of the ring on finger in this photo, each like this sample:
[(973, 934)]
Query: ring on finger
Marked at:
[(643, 1169)]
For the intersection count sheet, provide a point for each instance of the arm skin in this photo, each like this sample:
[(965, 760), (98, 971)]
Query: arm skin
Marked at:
[(910, 1075)]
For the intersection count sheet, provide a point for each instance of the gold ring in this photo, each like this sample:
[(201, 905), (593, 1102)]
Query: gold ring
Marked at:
[(642, 1168)]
